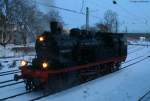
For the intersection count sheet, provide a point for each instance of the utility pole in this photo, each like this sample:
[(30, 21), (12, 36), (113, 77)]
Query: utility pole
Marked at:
[(126, 29), (87, 19), (139, 1)]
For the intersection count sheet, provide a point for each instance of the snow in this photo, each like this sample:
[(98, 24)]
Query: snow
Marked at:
[(125, 85), (12, 63), (10, 60), (11, 90), (128, 84), (144, 43), (8, 52), (147, 97)]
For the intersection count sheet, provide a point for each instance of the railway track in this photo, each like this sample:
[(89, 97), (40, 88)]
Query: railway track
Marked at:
[(40, 97), (13, 96), (10, 73), (133, 48), (11, 84), (9, 57), (138, 49), (133, 59), (140, 44), (137, 57), (138, 60), (6, 81), (141, 98)]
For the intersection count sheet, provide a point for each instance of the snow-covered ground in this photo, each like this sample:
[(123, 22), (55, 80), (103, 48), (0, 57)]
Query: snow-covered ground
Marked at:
[(145, 43), (9, 52), (10, 59), (128, 84), (7, 64)]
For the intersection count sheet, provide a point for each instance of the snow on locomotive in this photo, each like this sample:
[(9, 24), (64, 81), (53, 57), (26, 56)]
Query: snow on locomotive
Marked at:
[(65, 60)]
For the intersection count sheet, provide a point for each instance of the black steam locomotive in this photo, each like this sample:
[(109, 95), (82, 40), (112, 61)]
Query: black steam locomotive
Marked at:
[(64, 59)]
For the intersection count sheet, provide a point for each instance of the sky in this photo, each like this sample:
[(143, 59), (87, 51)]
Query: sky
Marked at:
[(132, 16)]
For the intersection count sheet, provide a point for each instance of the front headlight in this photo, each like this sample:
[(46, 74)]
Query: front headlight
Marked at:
[(23, 63), (45, 65), (41, 39)]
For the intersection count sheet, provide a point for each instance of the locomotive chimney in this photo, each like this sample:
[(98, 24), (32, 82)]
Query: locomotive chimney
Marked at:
[(55, 27)]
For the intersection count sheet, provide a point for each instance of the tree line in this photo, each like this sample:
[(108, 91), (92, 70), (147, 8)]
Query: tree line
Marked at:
[(21, 21)]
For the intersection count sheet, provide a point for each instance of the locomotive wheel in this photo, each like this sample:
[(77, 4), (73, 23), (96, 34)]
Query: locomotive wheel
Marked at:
[(30, 85), (111, 68), (117, 66), (27, 82)]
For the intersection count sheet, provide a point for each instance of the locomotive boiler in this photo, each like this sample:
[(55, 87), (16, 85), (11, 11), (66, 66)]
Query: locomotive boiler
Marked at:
[(64, 60)]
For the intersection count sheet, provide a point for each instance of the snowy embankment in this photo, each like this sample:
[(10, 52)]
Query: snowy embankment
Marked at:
[(10, 50), (11, 55), (141, 43), (128, 84)]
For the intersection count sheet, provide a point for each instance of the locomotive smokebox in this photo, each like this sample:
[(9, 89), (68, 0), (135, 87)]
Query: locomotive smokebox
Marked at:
[(55, 27)]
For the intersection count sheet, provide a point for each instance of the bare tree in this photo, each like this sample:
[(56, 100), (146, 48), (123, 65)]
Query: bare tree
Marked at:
[(110, 23), (4, 28), (91, 28), (24, 18), (102, 27)]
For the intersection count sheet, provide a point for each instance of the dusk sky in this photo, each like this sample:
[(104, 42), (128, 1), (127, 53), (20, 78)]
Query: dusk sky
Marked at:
[(133, 16)]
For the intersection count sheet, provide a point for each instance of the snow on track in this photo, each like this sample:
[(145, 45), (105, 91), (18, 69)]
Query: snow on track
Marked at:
[(11, 90), (7, 63), (124, 85), (141, 52)]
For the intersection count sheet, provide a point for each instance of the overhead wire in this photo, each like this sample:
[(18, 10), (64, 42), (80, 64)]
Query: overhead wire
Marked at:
[(134, 15), (134, 18), (143, 18), (65, 9), (99, 5), (82, 5), (128, 13), (82, 13), (104, 7), (141, 8)]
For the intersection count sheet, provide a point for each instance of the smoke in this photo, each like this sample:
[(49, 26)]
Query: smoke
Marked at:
[(43, 5), (47, 2)]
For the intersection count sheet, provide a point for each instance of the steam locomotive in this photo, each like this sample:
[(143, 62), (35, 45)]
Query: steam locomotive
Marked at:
[(64, 60)]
